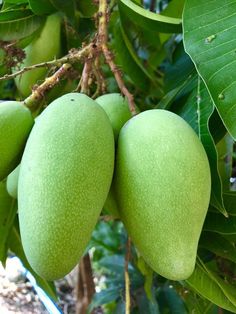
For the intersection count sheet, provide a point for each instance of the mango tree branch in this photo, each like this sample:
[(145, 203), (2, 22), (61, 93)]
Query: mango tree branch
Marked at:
[(73, 57), (49, 82), (103, 16)]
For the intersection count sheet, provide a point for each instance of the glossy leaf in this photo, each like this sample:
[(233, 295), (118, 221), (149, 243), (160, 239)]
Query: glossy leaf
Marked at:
[(205, 286), (230, 202), (17, 24), (197, 112), (218, 223), (209, 39), (174, 9), (41, 7), (218, 245), (104, 297), (149, 20)]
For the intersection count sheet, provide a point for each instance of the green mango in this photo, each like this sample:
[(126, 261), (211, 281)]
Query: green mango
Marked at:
[(117, 109), (12, 182), (44, 48), (65, 176), (163, 183), (16, 122)]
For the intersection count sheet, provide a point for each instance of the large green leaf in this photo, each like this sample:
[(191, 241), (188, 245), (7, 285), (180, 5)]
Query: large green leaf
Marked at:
[(17, 24), (126, 61), (230, 202), (209, 39), (149, 20), (197, 112), (41, 7), (217, 244), (217, 223), (207, 287)]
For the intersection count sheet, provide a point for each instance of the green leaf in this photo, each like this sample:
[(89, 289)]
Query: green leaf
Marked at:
[(104, 297), (87, 7), (202, 283), (230, 202), (16, 1), (170, 301), (174, 9), (225, 152), (17, 24), (197, 112), (227, 289), (126, 61), (209, 39), (218, 223), (16, 247), (67, 7), (218, 245), (41, 7), (149, 20)]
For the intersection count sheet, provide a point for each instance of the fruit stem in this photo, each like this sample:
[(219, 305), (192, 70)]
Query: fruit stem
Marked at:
[(103, 16), (127, 279)]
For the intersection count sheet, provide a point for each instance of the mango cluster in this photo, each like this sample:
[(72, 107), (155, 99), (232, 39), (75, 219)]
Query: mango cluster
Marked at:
[(82, 155)]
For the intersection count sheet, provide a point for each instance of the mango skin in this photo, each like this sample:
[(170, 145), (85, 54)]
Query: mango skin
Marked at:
[(65, 176), (16, 122), (162, 182), (44, 48), (12, 182), (117, 109)]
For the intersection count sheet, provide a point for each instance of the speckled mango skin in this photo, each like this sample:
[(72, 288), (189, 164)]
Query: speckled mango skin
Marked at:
[(12, 182), (16, 122), (162, 181), (117, 109), (43, 48), (65, 176)]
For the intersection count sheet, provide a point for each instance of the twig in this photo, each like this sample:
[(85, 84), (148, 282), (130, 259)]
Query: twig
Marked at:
[(100, 80), (86, 74), (49, 82), (103, 40), (72, 57), (127, 279)]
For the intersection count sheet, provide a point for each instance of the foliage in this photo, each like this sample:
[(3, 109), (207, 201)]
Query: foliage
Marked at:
[(181, 59)]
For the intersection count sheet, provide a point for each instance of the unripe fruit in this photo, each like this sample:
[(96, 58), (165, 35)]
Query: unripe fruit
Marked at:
[(15, 124), (12, 182), (162, 181), (44, 48), (117, 109), (65, 176)]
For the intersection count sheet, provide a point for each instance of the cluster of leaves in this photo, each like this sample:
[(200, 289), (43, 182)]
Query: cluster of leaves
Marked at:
[(198, 85)]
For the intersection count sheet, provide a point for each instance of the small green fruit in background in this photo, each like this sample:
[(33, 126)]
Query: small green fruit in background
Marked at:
[(117, 109), (65, 176), (12, 182), (15, 124), (44, 48), (163, 183)]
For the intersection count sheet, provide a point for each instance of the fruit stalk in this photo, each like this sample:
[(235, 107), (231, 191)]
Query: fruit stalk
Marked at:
[(102, 40), (127, 279)]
